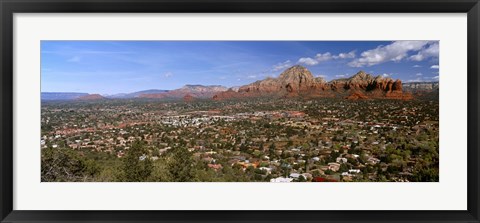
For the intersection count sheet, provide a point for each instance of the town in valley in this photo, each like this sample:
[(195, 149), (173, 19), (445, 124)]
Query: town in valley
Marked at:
[(292, 127)]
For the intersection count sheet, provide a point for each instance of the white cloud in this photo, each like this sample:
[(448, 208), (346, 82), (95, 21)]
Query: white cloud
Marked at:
[(341, 75), (424, 79), (322, 57), (415, 80), (435, 67), (348, 55), (395, 51), (417, 65), (431, 51), (418, 74), (168, 74), (307, 61), (386, 75), (252, 76), (74, 59), (282, 66), (321, 75)]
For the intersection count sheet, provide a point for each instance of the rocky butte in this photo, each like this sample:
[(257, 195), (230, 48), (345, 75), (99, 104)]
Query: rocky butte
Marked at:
[(298, 81)]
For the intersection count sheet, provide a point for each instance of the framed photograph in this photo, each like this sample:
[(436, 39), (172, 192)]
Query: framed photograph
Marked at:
[(239, 111)]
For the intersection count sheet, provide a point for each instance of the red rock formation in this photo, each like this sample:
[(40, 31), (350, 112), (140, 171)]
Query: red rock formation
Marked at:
[(356, 95), (293, 81), (298, 81), (188, 98), (229, 94)]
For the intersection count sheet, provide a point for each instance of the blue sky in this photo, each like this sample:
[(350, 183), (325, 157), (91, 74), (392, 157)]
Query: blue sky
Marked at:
[(109, 67)]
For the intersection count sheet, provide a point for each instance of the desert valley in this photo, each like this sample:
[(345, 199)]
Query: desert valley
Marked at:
[(292, 128)]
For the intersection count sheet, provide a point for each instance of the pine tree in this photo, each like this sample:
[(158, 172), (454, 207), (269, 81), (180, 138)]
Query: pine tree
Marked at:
[(271, 151), (137, 167), (180, 165)]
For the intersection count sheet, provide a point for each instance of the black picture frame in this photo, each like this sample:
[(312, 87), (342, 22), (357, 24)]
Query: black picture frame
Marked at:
[(9, 7)]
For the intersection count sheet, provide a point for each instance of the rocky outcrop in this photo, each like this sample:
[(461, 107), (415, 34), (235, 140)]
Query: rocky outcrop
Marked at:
[(356, 95), (365, 86), (298, 81), (294, 81), (228, 95)]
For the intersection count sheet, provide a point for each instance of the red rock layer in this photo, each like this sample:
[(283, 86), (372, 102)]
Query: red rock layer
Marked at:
[(299, 81)]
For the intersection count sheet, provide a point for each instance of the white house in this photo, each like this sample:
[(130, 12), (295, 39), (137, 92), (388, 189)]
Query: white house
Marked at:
[(269, 170), (295, 175), (281, 180), (341, 160), (354, 171)]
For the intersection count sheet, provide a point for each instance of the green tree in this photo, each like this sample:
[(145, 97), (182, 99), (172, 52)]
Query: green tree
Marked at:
[(137, 167), (271, 151), (62, 164), (181, 165)]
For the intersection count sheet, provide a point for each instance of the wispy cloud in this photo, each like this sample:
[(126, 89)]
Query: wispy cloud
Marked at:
[(386, 75), (395, 52), (426, 52), (424, 79), (348, 55), (418, 74), (74, 59), (435, 67), (416, 65), (307, 61), (168, 74), (323, 57), (281, 66), (321, 75)]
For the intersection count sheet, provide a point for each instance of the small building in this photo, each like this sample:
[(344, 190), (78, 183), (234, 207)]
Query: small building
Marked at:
[(281, 180), (341, 160), (354, 171), (334, 166)]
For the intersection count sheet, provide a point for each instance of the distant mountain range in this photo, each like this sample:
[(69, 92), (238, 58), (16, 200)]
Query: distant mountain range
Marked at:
[(65, 96), (420, 86), (191, 91), (136, 94), (296, 81), (53, 96)]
